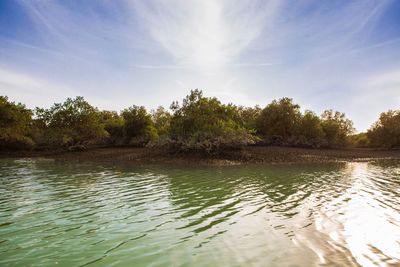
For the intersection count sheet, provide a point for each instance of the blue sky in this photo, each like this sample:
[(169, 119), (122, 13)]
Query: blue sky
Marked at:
[(338, 54)]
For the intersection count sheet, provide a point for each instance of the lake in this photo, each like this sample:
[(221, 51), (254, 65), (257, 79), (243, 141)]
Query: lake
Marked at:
[(90, 214)]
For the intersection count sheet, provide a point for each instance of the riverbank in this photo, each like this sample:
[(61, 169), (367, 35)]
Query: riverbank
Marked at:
[(251, 154)]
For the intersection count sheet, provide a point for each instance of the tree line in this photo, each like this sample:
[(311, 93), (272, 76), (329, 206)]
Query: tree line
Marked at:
[(199, 123)]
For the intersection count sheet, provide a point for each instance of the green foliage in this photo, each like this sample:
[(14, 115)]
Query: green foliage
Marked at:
[(16, 127), (310, 132), (161, 119), (360, 140), (386, 131), (278, 121), (281, 123), (138, 126), (247, 116), (114, 125), (74, 122), (337, 128), (199, 124), (206, 125)]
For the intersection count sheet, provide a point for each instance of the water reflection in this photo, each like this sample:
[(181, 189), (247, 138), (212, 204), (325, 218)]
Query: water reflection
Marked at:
[(362, 225), (74, 214)]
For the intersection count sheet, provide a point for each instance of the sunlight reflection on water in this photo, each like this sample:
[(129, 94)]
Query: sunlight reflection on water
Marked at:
[(73, 214), (361, 223)]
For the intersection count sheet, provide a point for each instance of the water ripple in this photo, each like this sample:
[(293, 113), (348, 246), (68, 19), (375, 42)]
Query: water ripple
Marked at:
[(85, 214)]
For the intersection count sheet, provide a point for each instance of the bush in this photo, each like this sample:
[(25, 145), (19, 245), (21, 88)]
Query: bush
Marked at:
[(162, 120), (247, 117), (386, 131), (16, 125), (360, 140), (337, 128), (310, 132), (199, 124), (278, 122), (138, 126), (206, 125), (114, 125), (74, 122)]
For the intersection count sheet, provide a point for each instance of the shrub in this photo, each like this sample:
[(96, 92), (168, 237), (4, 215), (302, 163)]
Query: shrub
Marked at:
[(310, 132), (206, 125), (247, 117), (337, 128), (386, 131), (16, 125), (138, 126), (360, 140), (278, 122), (74, 122), (162, 120), (114, 125)]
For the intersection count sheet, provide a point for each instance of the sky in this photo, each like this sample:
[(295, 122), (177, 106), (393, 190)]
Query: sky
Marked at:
[(325, 54)]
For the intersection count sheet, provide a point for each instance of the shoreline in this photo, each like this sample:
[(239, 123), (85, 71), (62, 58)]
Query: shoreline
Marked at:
[(248, 155)]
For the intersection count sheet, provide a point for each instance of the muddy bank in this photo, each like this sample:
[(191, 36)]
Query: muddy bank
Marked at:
[(251, 154)]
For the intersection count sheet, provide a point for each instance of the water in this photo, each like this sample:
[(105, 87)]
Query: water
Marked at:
[(58, 214)]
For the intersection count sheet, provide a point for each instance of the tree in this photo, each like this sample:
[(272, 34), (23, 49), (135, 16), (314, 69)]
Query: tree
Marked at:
[(337, 128), (138, 126), (310, 132), (200, 123), (278, 121), (386, 131), (206, 125), (74, 122), (16, 125), (161, 119), (114, 125), (360, 140), (247, 116)]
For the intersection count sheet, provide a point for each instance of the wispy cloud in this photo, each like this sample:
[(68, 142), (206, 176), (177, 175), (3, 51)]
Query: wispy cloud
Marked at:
[(31, 90), (373, 92), (324, 54), (205, 33)]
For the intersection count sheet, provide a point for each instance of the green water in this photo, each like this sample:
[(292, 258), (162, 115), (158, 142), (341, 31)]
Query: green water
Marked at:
[(59, 214)]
